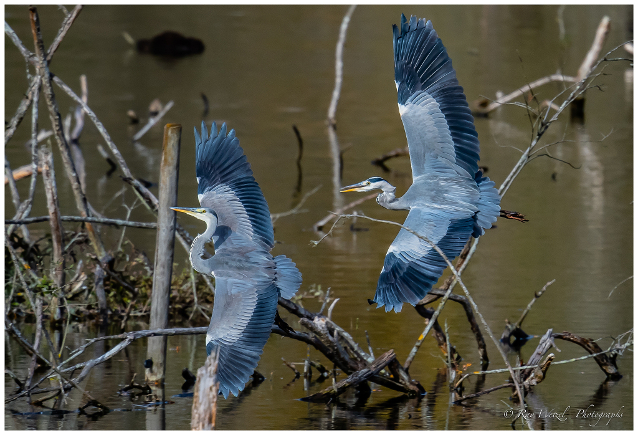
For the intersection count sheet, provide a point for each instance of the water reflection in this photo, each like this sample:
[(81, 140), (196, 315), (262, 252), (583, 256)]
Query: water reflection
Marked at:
[(266, 68)]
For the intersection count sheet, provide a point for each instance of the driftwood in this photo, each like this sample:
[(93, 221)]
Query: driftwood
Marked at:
[(606, 362), (22, 172), (204, 410), (95, 220), (483, 107), (354, 379)]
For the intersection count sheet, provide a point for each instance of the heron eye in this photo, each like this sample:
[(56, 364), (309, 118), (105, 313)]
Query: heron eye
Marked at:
[(367, 183)]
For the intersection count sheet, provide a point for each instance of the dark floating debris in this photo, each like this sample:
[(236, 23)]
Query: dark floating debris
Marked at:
[(190, 379), (171, 44)]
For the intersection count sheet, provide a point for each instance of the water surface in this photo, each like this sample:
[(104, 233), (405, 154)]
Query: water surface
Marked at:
[(266, 68)]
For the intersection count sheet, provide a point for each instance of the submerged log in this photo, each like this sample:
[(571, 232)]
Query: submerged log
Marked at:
[(354, 379), (204, 411)]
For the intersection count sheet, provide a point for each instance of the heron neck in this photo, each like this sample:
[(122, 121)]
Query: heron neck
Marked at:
[(388, 200), (199, 247)]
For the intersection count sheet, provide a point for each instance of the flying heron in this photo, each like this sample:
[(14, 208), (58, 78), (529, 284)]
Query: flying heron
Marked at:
[(449, 199), (248, 280)]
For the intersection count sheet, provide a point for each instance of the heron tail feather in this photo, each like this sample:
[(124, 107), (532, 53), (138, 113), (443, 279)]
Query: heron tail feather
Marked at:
[(488, 205), (287, 276)]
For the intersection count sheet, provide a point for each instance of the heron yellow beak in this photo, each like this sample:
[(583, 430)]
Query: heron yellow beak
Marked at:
[(354, 187), (190, 211)]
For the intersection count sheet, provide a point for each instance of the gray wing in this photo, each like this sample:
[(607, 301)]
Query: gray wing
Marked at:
[(435, 114), (226, 185), (411, 265), (243, 315)]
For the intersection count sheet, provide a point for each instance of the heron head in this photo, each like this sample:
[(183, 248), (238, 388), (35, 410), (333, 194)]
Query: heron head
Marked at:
[(202, 213), (372, 183)]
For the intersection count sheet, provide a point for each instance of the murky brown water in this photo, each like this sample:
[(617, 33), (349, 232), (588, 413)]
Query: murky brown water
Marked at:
[(267, 68)]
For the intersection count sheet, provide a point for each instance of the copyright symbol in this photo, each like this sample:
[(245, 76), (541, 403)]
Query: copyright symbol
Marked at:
[(508, 413)]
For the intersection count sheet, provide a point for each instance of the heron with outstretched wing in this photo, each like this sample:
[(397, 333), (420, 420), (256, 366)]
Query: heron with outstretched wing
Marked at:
[(248, 279), (449, 199)]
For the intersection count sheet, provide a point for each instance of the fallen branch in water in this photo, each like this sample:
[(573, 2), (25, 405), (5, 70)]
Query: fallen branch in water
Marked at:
[(482, 107), (354, 379), (607, 363), (456, 276)]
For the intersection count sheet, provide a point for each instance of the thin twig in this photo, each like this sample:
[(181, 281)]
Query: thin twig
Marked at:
[(151, 122), (66, 25), (318, 226), (619, 284), (297, 208), (537, 295)]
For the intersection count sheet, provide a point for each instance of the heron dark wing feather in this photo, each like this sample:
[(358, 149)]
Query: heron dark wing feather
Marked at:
[(226, 185), (412, 266), (425, 77), (240, 326)]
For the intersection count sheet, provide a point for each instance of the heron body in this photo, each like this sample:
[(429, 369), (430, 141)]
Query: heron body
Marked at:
[(449, 199), (248, 279)]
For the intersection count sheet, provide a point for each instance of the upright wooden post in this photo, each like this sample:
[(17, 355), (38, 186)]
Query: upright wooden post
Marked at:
[(169, 171)]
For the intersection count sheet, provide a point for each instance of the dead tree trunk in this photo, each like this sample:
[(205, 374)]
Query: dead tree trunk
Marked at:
[(204, 411)]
